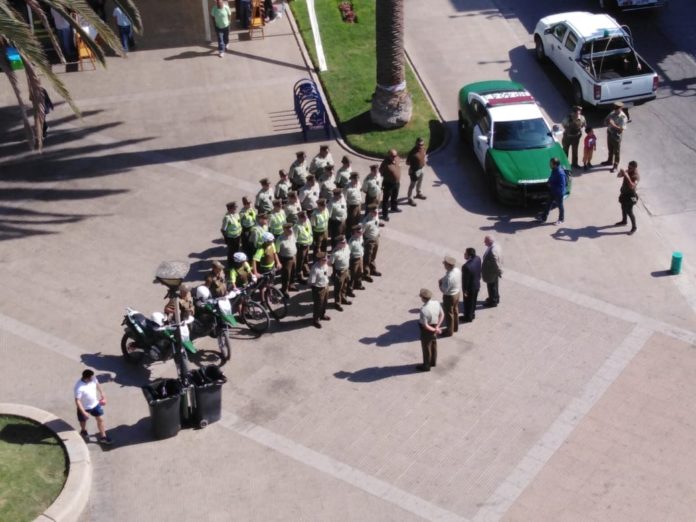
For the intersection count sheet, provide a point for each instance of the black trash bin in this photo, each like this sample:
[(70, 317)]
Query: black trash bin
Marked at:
[(207, 386), (164, 398)]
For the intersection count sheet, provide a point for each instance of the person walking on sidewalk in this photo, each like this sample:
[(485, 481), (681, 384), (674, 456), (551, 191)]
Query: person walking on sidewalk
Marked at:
[(628, 196), (492, 270), (429, 322), (557, 188), (416, 166), (221, 14), (125, 30), (90, 399), (391, 172), (471, 283), (450, 286)]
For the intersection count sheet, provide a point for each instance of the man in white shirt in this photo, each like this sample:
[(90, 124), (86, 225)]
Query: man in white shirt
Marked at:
[(431, 317), (65, 35), (124, 29), (451, 287), (89, 399)]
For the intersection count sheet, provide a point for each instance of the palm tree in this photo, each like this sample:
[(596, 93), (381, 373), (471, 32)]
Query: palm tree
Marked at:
[(16, 32), (391, 103)]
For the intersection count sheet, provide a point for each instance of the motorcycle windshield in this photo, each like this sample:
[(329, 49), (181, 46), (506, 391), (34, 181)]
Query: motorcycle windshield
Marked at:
[(186, 339)]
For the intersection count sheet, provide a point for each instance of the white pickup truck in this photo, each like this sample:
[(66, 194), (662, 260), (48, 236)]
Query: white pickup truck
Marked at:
[(631, 5), (596, 54)]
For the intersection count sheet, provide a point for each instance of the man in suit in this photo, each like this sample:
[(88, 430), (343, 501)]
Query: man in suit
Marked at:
[(471, 283), (492, 270)]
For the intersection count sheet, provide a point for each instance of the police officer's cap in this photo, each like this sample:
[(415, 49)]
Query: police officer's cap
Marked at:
[(354, 175), (618, 105), (264, 181), (425, 293), (357, 228), (292, 219), (321, 202), (263, 215), (374, 167), (302, 214), (300, 153), (232, 204), (449, 260), (245, 200), (282, 173), (329, 167), (287, 225), (341, 239), (323, 147), (337, 190), (277, 203), (292, 194)]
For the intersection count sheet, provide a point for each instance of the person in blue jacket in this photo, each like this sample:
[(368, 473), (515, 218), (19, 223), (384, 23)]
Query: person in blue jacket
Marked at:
[(557, 188)]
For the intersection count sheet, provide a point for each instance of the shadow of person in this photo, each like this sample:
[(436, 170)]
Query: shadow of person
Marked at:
[(119, 370), (377, 373), (506, 224), (405, 332), (128, 435), (589, 232)]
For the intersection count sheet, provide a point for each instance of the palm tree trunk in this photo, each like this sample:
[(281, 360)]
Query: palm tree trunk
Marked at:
[(391, 103), (12, 77)]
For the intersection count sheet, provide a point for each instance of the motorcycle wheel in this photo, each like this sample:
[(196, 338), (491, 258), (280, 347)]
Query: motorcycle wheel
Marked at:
[(130, 349), (255, 317), (276, 302), (224, 345)]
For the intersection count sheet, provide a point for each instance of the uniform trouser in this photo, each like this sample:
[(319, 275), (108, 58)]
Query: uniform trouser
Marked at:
[(246, 233), (336, 228), (302, 266), (493, 294), (429, 345), (287, 272), (371, 248), (614, 147), (470, 305), (353, 217), (356, 272), (450, 305), (319, 297), (416, 182), (627, 211), (321, 242), (234, 245), (390, 198), (571, 143), (340, 285)]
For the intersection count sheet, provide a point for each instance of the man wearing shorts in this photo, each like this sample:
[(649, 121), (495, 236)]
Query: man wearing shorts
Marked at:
[(89, 399)]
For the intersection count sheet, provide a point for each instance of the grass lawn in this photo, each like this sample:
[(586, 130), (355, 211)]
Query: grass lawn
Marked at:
[(33, 468), (350, 80)]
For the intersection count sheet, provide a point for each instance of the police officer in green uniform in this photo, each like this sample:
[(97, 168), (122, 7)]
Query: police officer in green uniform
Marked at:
[(372, 186), (328, 184), (370, 226), (303, 233), (282, 187), (338, 212), (616, 123), (298, 171), (264, 197), (340, 260), (240, 273), (354, 200), (319, 280), (320, 227), (292, 207), (286, 245), (277, 218), (573, 124), (320, 162), (232, 231), (357, 252), (343, 174), (247, 217), (266, 258)]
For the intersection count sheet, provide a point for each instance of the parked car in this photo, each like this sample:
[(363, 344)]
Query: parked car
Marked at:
[(597, 56), (630, 5), (511, 139)]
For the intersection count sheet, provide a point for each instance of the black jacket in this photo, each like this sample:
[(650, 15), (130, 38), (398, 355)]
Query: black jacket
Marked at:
[(471, 275)]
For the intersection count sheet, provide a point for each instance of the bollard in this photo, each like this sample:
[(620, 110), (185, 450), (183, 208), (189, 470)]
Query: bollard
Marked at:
[(676, 263)]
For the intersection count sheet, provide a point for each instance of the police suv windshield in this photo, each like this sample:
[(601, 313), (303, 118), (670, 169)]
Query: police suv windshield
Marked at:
[(520, 135)]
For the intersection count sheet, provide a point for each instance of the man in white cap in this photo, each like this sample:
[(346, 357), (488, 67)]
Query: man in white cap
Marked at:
[(451, 287), (266, 258), (430, 320)]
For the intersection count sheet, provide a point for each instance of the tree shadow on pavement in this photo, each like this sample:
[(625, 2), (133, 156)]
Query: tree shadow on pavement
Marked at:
[(377, 373), (396, 333), (17, 222), (589, 232)]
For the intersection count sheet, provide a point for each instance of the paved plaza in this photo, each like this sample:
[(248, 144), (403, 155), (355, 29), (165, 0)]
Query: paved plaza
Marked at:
[(572, 400)]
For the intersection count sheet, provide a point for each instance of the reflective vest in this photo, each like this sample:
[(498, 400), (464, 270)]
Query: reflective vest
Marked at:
[(320, 220), (276, 223), (231, 225), (241, 274), (248, 217), (256, 235), (304, 233), (265, 257)]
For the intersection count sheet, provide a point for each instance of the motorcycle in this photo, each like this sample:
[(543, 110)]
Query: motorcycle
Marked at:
[(214, 318), (144, 338)]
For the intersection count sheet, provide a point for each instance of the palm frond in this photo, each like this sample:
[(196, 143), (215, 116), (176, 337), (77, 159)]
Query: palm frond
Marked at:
[(12, 77), (36, 95), (131, 11), (41, 14)]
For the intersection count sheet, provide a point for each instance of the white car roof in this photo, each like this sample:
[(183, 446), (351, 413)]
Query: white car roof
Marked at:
[(517, 112), (587, 25)]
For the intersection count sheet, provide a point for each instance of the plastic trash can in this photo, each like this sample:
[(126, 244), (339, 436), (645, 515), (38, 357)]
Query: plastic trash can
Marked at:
[(164, 398), (207, 386), (676, 265)]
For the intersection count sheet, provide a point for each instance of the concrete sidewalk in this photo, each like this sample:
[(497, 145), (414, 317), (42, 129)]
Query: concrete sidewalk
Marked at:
[(558, 389)]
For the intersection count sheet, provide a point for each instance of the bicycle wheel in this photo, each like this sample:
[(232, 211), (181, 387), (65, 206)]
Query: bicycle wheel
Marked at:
[(276, 302), (255, 317)]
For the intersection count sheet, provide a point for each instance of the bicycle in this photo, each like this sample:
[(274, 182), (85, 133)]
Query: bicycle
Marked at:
[(251, 312), (270, 296)]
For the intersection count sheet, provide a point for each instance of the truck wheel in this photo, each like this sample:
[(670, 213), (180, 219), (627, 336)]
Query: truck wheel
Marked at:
[(577, 94), (539, 49)]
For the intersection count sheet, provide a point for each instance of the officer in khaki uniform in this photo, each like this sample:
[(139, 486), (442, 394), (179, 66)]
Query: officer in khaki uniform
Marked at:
[(232, 231), (215, 280), (277, 218), (320, 228), (264, 197), (372, 186), (298, 171), (451, 288), (186, 307), (309, 194), (328, 184), (429, 322), (354, 200), (338, 212), (286, 245), (282, 187), (303, 233), (319, 280), (357, 252), (340, 260), (320, 162), (616, 124), (370, 225), (292, 207), (343, 174), (573, 124)]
